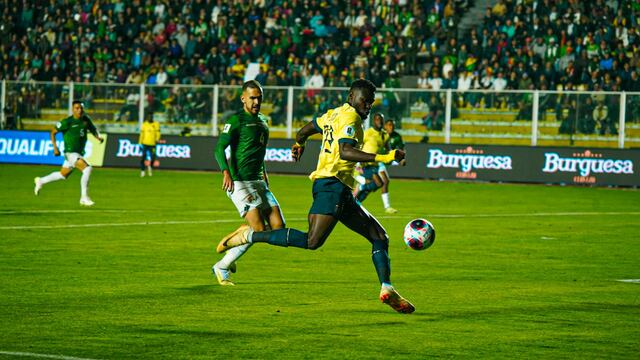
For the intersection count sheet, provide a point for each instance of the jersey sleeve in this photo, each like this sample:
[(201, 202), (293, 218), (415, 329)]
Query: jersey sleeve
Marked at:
[(62, 125), (229, 131), (90, 126), (347, 131), (319, 122)]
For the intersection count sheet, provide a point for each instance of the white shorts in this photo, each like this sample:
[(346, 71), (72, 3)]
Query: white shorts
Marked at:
[(382, 168), (249, 195), (70, 160)]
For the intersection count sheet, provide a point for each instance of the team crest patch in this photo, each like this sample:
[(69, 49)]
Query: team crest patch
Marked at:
[(226, 128), (349, 131)]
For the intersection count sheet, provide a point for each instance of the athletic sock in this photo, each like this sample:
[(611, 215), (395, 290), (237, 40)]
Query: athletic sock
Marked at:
[(54, 176), (281, 237), (381, 261), (232, 255), (84, 181), (385, 200)]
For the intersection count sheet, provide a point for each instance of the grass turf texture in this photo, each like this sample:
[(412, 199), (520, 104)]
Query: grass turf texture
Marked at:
[(516, 270)]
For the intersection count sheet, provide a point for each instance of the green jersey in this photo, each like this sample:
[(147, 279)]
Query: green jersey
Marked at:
[(395, 141), (74, 132), (247, 137)]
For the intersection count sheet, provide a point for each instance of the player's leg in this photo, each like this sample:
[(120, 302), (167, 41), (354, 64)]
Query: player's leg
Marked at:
[(359, 220), (320, 227), (143, 157), (82, 165), (152, 157), (385, 190), (374, 184), (39, 182), (222, 268), (323, 217)]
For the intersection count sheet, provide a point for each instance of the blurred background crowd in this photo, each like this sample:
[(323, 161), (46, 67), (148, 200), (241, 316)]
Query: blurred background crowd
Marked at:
[(519, 44)]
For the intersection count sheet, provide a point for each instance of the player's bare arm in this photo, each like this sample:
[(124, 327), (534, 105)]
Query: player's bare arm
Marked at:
[(349, 153), (227, 181), (53, 133), (301, 138)]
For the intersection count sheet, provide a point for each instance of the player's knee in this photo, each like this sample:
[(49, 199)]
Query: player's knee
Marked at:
[(314, 242), (380, 244)]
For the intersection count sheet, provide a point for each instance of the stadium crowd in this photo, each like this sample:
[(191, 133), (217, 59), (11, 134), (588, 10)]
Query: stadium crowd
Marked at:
[(544, 44), (311, 42), (520, 45)]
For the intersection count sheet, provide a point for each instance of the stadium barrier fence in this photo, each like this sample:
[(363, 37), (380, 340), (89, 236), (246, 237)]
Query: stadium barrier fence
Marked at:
[(478, 117)]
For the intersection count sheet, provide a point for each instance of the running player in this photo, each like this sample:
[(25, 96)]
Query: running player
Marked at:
[(74, 130), (333, 180), (375, 173), (245, 180)]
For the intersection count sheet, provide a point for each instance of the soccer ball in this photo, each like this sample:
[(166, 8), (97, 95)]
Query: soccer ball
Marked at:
[(419, 234)]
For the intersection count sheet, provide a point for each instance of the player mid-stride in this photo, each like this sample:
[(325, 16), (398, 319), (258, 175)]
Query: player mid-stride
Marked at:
[(342, 135), (74, 130)]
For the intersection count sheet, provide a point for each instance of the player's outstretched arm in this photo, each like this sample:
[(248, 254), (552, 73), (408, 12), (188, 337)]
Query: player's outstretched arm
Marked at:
[(349, 153), (301, 138)]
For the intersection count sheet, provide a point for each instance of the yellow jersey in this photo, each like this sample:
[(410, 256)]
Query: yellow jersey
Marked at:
[(339, 125), (375, 142), (149, 133)]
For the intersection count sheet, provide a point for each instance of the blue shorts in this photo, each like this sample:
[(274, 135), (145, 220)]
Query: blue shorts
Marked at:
[(369, 170), (332, 197)]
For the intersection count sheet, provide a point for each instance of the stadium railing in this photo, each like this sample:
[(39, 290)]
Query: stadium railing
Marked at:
[(535, 118)]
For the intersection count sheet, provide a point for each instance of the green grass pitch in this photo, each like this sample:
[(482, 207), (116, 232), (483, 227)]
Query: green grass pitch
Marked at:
[(524, 271)]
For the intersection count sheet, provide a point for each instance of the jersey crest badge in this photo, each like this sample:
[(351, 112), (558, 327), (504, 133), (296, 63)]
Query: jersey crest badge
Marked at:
[(226, 129), (349, 131)]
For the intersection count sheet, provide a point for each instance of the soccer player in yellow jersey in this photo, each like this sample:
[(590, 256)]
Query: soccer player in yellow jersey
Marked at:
[(333, 180), (376, 140), (149, 137)]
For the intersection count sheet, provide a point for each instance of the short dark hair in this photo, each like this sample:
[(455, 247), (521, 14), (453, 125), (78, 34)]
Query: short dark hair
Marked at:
[(77, 102), (363, 84), (253, 84)]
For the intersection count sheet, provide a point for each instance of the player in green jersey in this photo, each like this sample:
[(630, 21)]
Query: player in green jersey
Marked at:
[(245, 180), (395, 139), (74, 129)]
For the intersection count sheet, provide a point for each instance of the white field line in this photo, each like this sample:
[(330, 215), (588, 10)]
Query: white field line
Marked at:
[(235, 220), (46, 356), (88, 211)]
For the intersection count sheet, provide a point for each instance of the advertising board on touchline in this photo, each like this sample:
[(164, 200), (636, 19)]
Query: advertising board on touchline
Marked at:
[(270, 154), (34, 147), (585, 164), (127, 148), (467, 160)]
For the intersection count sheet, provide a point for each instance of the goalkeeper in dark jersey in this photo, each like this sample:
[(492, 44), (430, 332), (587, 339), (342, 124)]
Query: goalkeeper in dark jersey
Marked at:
[(74, 129), (245, 180)]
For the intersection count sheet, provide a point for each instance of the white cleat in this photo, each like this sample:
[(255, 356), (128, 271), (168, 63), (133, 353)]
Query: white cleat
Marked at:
[(142, 173), (86, 202), (38, 187), (149, 171)]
